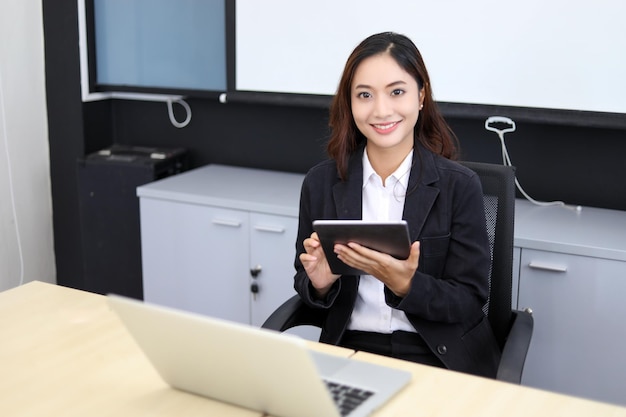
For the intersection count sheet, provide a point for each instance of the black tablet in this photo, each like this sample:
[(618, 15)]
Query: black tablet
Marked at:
[(391, 237)]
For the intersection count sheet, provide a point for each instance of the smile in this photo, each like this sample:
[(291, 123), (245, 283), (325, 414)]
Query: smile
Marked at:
[(385, 127)]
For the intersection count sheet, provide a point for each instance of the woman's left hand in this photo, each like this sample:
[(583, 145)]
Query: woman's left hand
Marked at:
[(396, 274)]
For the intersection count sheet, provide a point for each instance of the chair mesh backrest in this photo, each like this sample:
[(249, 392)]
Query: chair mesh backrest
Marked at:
[(491, 218), (498, 182)]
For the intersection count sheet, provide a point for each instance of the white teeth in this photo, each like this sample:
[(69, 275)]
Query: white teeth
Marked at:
[(385, 127)]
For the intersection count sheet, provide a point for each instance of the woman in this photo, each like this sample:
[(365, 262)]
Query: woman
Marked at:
[(391, 158)]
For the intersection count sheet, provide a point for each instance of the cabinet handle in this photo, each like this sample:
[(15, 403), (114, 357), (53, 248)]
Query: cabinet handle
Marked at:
[(270, 229), (229, 223), (544, 266)]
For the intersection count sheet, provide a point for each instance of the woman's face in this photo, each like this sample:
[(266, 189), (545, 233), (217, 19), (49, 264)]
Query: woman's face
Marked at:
[(385, 103)]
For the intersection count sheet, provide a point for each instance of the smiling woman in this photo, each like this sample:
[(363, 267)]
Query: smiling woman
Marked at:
[(362, 74), (390, 159), (385, 106)]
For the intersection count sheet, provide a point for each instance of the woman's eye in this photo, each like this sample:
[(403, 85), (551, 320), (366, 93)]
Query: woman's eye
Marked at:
[(364, 94), (397, 92)]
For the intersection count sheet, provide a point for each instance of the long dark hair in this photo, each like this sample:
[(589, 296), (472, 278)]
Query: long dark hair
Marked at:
[(431, 130)]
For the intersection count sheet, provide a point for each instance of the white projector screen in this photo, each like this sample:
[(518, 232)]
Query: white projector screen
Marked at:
[(553, 54)]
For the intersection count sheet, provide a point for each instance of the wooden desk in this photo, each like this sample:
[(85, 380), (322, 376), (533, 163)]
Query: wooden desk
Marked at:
[(443, 393), (65, 353)]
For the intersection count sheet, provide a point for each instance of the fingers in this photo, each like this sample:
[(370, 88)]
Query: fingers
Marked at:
[(376, 263), (316, 265), (312, 243), (306, 258), (414, 255), (358, 256)]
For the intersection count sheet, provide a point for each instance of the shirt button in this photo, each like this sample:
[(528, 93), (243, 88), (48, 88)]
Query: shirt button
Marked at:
[(442, 349)]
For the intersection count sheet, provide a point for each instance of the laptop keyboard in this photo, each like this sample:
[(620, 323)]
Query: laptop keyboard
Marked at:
[(346, 397)]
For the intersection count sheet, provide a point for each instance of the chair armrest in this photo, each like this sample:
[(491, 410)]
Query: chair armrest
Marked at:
[(516, 347), (292, 313), (281, 317)]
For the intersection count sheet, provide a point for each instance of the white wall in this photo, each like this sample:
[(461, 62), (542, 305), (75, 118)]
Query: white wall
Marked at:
[(26, 243), (558, 54)]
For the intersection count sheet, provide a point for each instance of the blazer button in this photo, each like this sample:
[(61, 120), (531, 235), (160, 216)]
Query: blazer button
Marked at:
[(442, 349)]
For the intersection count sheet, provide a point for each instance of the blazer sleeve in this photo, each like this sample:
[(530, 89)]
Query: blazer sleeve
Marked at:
[(313, 185)]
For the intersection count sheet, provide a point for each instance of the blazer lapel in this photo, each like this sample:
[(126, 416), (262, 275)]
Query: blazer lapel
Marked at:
[(421, 195), (348, 194)]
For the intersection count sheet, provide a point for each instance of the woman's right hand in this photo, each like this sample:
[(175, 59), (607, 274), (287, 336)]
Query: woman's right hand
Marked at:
[(316, 265)]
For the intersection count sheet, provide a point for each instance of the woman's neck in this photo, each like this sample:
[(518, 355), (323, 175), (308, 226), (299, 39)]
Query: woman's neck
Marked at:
[(386, 161)]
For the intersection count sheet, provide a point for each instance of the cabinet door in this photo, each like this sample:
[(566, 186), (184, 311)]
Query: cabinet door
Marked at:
[(579, 336), (195, 258), (272, 252)]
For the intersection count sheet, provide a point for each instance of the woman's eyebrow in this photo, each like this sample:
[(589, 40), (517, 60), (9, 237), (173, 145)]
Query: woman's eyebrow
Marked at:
[(393, 84)]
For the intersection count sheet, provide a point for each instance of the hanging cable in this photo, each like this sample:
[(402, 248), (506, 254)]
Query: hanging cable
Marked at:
[(506, 160), (170, 111)]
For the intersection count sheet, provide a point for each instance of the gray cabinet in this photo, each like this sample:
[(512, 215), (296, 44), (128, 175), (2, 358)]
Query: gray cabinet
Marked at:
[(220, 241), (572, 273)]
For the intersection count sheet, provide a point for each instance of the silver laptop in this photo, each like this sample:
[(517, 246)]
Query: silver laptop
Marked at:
[(254, 368)]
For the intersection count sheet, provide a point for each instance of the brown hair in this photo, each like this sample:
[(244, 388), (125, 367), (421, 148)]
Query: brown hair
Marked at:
[(431, 130)]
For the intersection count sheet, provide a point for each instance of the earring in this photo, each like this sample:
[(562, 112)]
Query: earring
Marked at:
[(421, 106)]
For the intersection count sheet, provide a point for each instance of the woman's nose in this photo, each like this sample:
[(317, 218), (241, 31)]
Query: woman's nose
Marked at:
[(382, 107)]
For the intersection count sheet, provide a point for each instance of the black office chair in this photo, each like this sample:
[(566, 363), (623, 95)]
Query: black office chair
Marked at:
[(512, 328)]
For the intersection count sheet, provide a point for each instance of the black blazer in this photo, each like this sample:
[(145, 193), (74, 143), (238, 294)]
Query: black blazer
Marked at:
[(445, 212)]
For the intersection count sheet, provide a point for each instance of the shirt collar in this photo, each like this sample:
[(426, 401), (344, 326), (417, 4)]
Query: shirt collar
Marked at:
[(401, 174)]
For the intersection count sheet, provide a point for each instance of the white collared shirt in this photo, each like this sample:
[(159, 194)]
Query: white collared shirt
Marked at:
[(380, 203)]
